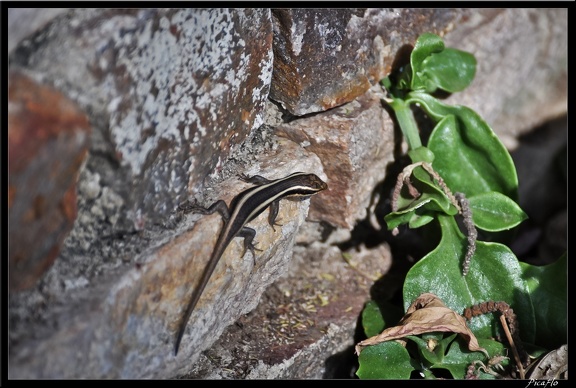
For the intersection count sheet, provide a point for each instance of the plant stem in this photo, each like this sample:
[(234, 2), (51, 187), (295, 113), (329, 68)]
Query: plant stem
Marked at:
[(407, 123)]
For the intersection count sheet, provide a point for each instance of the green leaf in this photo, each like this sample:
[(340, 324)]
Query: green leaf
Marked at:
[(468, 155), (495, 212), (450, 70), (426, 184), (418, 211), (458, 357), (548, 286), (376, 316), (386, 360), (426, 45), (386, 83), (436, 355), (372, 320), (415, 215), (495, 274), (421, 154), (395, 219), (407, 204), (417, 221)]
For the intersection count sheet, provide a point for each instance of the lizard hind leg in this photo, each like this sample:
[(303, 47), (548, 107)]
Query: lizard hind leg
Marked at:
[(249, 244)]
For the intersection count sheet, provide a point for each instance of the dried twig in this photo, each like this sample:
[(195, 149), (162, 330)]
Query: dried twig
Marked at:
[(472, 233), (510, 325), (513, 346), (435, 175), (459, 201)]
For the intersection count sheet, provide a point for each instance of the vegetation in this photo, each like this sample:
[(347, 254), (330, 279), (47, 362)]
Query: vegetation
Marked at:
[(471, 308)]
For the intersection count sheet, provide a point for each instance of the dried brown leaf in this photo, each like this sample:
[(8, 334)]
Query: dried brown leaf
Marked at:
[(426, 314)]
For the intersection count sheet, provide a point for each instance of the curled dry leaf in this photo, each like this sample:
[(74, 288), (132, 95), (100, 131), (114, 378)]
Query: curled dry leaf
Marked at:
[(426, 314), (552, 366)]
